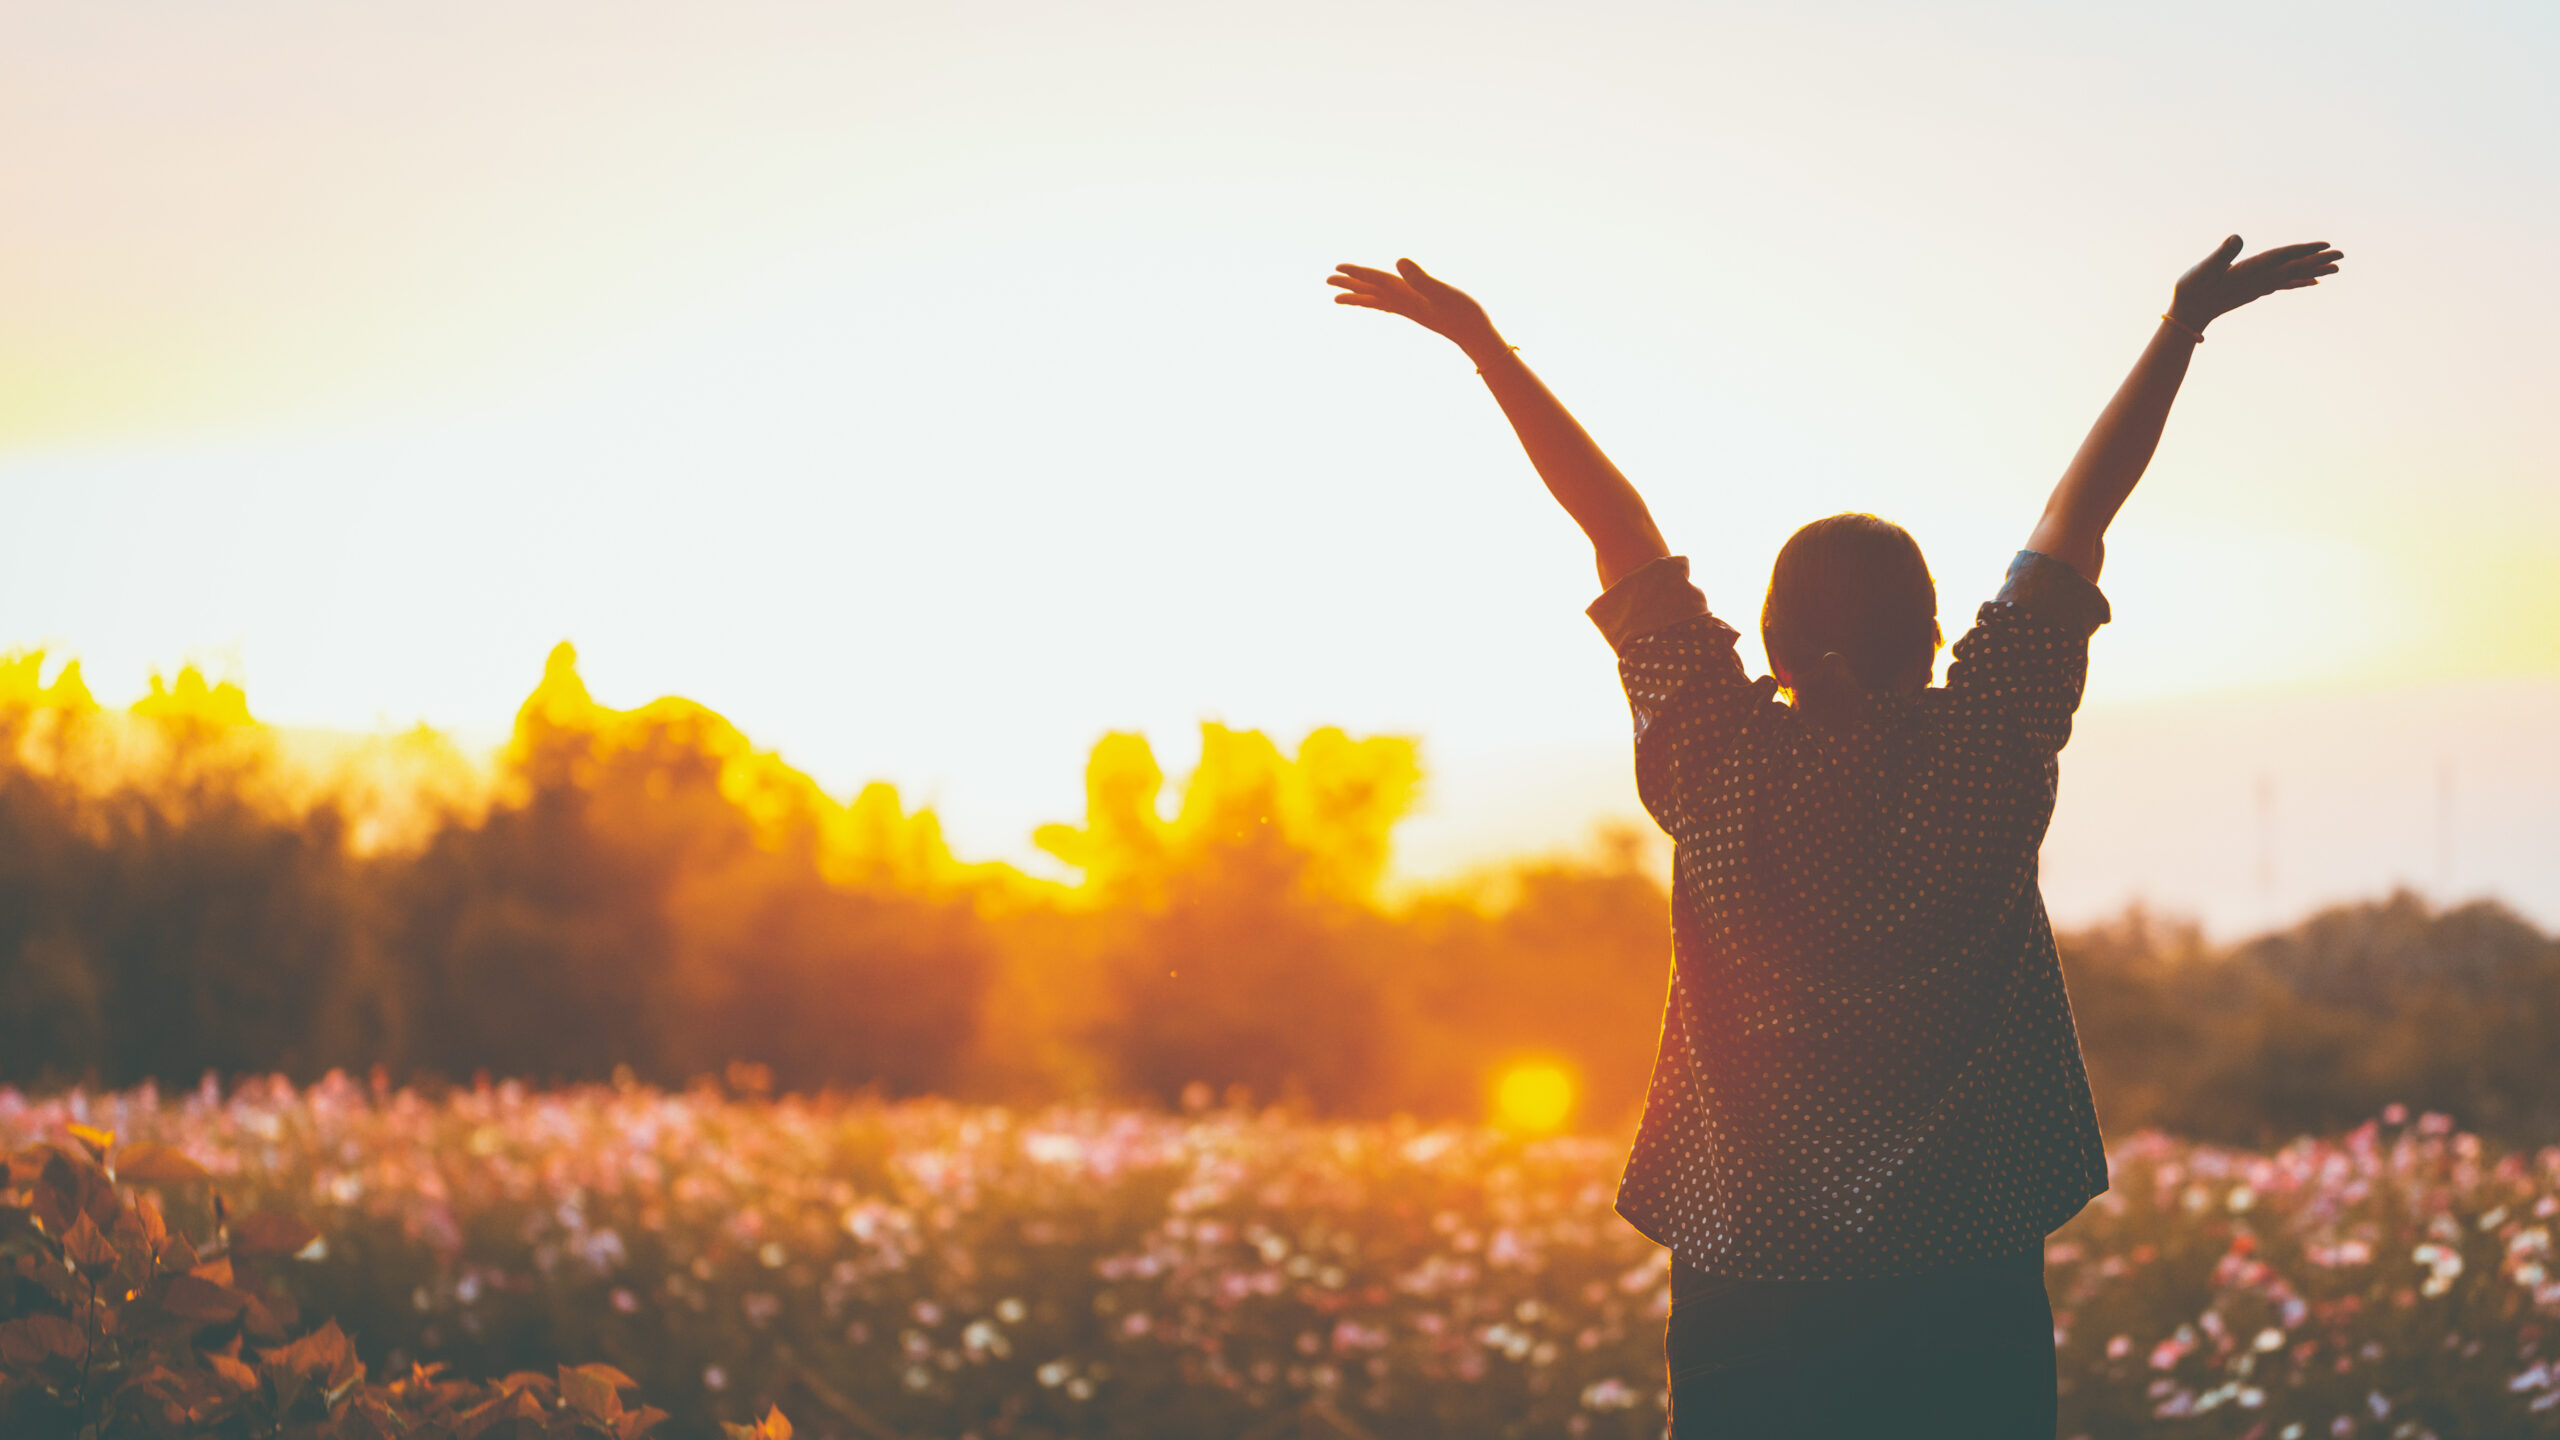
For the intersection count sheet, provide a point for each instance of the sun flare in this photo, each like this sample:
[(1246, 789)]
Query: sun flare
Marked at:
[(1535, 1096)]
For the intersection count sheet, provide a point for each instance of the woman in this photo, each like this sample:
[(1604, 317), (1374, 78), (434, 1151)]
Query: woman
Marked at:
[(1868, 1108)]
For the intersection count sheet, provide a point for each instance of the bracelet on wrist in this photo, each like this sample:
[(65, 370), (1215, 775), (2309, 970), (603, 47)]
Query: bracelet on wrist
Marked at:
[(2190, 331), (1514, 349)]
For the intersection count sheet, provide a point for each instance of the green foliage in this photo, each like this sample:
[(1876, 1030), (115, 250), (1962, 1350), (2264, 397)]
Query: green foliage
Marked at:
[(177, 926), (2311, 1029), (644, 893), (114, 1325)]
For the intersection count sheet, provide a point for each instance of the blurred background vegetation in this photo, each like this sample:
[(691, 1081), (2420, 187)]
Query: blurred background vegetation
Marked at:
[(184, 890)]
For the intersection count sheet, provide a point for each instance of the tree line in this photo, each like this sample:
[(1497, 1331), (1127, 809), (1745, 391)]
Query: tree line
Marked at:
[(644, 893)]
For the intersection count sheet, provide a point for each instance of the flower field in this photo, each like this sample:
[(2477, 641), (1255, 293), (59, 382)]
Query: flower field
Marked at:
[(927, 1268)]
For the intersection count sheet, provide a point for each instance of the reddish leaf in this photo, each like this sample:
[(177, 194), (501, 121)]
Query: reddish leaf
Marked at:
[(342, 1384), (774, 1426), (20, 1347), (260, 1321), (147, 1163), (609, 1375), (590, 1395), (159, 1380), (268, 1233), (34, 1339), (48, 1275), (481, 1416), (216, 1270), (58, 1192), (526, 1380), (238, 1376), (368, 1419), (324, 1353), (200, 1300), (87, 1246), (636, 1423), (72, 1184), (156, 1391), (142, 1228)]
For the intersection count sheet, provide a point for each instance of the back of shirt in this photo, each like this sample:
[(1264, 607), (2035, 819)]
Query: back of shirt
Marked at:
[(1867, 1065)]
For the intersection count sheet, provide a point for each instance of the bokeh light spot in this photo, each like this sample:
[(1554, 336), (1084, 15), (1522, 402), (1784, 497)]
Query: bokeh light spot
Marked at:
[(1534, 1095)]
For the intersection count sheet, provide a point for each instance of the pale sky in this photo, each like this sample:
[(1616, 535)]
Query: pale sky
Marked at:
[(933, 388)]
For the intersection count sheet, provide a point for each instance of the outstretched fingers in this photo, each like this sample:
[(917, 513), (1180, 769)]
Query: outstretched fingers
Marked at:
[(1361, 280), (2307, 273), (2291, 267), (1370, 289), (1376, 282), (1413, 293)]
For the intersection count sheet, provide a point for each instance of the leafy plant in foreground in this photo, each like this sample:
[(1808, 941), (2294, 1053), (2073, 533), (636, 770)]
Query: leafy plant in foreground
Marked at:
[(115, 1324)]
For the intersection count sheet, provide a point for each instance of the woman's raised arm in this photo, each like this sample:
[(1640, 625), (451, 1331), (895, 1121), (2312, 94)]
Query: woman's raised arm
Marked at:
[(1590, 489), (2119, 447)]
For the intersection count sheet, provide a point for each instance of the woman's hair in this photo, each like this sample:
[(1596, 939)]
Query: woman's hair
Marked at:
[(1851, 609)]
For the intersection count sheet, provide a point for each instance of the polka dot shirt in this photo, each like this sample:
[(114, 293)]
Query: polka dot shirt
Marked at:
[(1867, 1063)]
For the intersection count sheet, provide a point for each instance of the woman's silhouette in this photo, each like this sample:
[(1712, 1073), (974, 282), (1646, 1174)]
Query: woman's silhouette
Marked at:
[(1868, 1108)]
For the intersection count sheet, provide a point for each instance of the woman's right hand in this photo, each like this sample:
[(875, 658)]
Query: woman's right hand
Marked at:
[(1413, 293), (2216, 287)]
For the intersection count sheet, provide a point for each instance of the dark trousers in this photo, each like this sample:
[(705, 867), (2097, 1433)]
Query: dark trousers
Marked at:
[(1966, 1351)]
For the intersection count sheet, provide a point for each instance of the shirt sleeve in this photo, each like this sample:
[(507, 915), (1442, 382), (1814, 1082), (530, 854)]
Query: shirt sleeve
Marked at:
[(1648, 598), (1686, 691), (2027, 657)]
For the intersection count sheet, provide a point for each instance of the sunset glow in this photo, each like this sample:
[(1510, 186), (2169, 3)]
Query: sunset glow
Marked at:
[(809, 720), (936, 391)]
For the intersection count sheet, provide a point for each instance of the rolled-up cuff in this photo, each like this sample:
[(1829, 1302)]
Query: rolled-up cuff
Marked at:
[(1645, 599), (2054, 593)]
